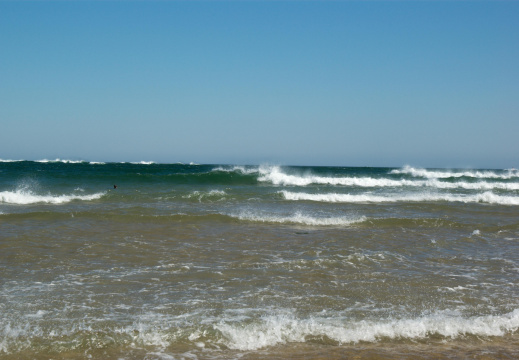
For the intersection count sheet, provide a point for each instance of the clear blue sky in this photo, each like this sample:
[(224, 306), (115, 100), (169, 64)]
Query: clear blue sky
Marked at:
[(427, 83)]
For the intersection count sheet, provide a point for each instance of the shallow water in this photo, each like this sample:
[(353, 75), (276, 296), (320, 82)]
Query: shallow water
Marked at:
[(213, 262)]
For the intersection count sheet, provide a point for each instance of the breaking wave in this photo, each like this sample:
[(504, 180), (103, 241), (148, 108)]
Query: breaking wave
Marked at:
[(26, 197), (486, 197), (8, 161), (434, 174), (300, 219), (277, 176), (143, 162), (60, 161), (280, 329)]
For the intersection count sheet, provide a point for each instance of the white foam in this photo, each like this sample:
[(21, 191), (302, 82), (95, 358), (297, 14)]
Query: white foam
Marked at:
[(425, 173), (299, 218), (276, 327), (26, 197), (97, 163), (143, 162), (486, 197), (276, 176), (472, 186), (280, 329), (8, 161), (60, 160)]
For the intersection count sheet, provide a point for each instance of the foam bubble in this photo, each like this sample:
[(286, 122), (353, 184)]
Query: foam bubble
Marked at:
[(486, 197), (26, 197)]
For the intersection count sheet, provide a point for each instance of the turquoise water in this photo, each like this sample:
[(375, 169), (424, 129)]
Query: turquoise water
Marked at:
[(224, 261)]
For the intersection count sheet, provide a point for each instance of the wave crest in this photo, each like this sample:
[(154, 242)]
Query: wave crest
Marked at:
[(435, 174), (280, 329), (277, 176), (211, 195), (486, 197), (61, 161), (27, 197), (299, 218)]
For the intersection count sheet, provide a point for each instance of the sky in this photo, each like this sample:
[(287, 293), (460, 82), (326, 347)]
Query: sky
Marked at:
[(340, 83)]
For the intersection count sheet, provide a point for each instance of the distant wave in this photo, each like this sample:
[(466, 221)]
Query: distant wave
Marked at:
[(143, 162), (56, 161), (299, 218), (61, 161), (280, 329), (8, 161), (26, 197), (435, 174), (276, 176), (486, 197)]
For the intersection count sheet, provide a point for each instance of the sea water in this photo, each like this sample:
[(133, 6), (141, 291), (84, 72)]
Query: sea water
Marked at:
[(257, 262)]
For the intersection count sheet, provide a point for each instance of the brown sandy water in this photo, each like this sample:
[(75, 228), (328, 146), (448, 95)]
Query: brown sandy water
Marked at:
[(237, 271)]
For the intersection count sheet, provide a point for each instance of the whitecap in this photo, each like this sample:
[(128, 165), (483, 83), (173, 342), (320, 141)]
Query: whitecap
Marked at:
[(277, 176), (61, 161), (433, 173), (26, 197), (143, 163), (486, 197), (8, 161)]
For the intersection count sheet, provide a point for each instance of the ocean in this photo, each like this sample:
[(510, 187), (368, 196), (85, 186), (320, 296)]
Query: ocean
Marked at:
[(188, 261)]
